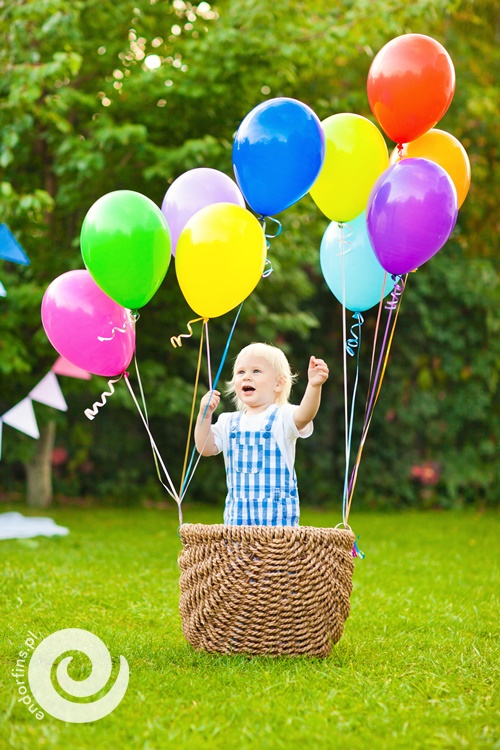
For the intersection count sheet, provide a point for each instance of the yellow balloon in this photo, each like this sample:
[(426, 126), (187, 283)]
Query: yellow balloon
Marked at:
[(356, 155), (444, 149), (220, 257)]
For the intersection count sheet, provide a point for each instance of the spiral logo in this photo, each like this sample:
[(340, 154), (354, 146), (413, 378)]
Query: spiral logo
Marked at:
[(39, 677)]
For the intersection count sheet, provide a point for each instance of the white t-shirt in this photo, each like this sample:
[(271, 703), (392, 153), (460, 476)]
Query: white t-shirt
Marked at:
[(284, 430)]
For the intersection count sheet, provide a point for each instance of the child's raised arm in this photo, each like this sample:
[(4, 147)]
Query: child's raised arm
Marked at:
[(317, 375), (203, 435)]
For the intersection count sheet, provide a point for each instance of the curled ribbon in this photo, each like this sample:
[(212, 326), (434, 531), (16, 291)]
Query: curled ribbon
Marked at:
[(396, 293), (356, 552), (177, 340), (93, 412), (263, 219), (353, 342), (345, 247), (134, 317), (267, 271)]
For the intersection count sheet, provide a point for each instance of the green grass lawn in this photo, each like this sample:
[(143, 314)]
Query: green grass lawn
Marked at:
[(417, 667)]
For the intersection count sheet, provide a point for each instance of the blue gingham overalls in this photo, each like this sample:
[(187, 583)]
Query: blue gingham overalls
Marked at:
[(261, 489)]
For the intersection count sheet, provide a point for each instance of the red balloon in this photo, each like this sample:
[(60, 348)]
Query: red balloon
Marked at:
[(411, 83)]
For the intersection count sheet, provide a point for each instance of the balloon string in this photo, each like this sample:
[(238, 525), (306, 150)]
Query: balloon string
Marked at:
[(391, 305), (209, 366), (141, 390), (344, 355), (193, 405), (262, 220), (177, 340), (93, 412), (355, 341), (357, 316), (396, 293), (345, 230), (373, 398), (190, 471), (171, 490), (144, 406), (375, 338), (268, 271), (134, 317)]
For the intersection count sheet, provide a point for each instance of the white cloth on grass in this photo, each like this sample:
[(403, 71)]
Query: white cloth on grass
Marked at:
[(16, 526)]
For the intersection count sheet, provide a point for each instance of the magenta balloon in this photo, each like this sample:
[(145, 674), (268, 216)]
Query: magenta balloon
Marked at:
[(75, 313), (411, 212), (194, 190)]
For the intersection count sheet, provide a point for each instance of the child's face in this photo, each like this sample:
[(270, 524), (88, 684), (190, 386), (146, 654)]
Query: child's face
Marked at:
[(255, 383)]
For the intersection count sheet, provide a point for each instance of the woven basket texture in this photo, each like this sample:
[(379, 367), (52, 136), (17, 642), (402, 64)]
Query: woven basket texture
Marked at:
[(265, 589)]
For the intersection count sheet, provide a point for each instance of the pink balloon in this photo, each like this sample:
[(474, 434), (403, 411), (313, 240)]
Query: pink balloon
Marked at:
[(75, 313), (194, 190)]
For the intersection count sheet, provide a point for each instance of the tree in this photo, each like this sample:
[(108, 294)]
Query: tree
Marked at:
[(86, 109)]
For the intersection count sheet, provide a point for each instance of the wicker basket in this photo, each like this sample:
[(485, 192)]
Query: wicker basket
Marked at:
[(265, 589)]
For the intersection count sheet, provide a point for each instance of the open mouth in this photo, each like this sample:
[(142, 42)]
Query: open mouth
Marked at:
[(248, 389)]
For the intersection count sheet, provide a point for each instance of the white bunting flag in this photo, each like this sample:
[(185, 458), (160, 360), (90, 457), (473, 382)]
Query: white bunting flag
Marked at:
[(48, 392), (22, 417)]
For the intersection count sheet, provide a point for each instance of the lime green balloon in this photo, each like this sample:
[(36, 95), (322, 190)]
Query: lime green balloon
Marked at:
[(125, 244)]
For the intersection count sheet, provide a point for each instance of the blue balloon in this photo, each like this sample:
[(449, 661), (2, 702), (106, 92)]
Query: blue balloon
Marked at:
[(278, 153), (350, 252)]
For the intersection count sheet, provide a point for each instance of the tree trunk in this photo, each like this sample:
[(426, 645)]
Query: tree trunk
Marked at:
[(39, 469)]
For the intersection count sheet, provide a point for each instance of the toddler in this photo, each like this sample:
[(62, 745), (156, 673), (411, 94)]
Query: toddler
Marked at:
[(258, 440)]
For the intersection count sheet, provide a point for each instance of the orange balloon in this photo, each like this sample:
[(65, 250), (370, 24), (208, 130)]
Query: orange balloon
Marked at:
[(410, 85), (444, 149)]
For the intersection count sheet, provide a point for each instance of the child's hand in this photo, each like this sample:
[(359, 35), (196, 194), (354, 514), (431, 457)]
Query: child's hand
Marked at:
[(317, 372), (212, 398)]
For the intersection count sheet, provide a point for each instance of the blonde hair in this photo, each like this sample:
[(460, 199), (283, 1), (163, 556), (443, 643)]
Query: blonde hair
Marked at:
[(280, 365)]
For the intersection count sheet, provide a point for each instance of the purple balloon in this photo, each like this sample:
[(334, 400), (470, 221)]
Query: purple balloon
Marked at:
[(411, 212), (194, 190)]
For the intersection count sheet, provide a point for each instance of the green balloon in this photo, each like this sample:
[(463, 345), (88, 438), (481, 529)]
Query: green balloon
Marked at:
[(125, 242)]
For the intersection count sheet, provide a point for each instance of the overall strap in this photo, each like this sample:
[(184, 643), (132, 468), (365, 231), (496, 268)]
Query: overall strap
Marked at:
[(235, 421), (271, 419)]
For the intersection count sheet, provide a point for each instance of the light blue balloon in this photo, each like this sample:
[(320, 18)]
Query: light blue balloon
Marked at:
[(350, 253)]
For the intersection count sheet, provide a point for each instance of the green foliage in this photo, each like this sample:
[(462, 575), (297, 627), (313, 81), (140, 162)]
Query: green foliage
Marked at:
[(81, 114)]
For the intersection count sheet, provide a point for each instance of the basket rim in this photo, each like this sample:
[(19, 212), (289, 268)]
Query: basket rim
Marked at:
[(219, 531)]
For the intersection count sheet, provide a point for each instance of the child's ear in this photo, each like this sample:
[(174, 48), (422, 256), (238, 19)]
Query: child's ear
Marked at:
[(279, 384)]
